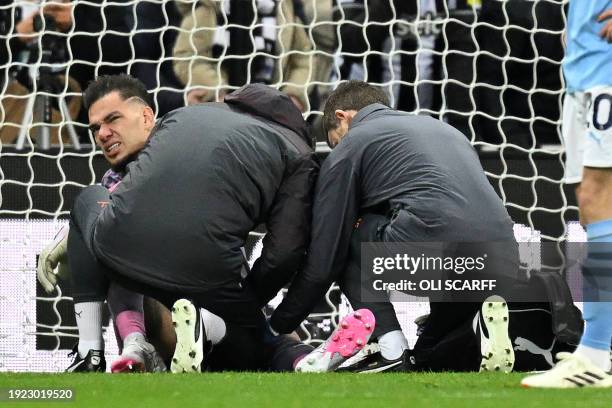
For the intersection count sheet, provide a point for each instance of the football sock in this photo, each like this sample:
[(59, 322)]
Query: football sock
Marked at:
[(126, 309), (128, 322), (597, 309), (213, 325), (89, 322), (599, 357), (138, 337), (392, 344)]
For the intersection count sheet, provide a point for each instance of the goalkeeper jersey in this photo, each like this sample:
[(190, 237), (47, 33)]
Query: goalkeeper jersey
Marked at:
[(588, 57), (208, 175)]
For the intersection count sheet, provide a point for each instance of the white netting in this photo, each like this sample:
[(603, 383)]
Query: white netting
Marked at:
[(491, 69)]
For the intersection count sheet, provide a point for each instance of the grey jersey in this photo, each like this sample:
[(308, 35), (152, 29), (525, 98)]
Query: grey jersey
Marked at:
[(391, 159)]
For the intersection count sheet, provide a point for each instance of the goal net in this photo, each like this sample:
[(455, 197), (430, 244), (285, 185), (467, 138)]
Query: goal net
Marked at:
[(492, 69)]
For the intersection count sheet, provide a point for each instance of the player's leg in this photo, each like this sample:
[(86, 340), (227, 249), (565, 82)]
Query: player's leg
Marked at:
[(234, 327), (89, 287), (88, 206), (285, 351), (589, 161), (350, 337), (447, 329), (137, 354), (388, 333), (595, 203), (160, 332), (463, 335), (89, 274), (282, 352), (198, 331), (213, 313)]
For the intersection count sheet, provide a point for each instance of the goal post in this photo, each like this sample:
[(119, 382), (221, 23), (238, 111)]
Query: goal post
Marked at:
[(490, 68)]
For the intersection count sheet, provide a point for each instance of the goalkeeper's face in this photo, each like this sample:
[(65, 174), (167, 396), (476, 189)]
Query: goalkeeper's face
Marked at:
[(121, 127)]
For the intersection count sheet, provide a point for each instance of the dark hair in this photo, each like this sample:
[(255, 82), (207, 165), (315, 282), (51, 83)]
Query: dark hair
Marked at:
[(126, 85), (351, 95)]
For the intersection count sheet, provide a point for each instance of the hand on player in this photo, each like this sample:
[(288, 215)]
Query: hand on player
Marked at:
[(606, 31), (53, 261)]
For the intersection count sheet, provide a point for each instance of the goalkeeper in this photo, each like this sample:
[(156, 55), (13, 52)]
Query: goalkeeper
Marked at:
[(175, 225), (91, 288)]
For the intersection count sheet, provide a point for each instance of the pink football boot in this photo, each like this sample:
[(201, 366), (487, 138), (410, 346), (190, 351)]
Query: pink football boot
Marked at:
[(348, 339)]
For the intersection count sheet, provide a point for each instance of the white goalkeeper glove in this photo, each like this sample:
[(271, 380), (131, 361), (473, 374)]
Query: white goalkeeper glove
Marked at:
[(53, 261)]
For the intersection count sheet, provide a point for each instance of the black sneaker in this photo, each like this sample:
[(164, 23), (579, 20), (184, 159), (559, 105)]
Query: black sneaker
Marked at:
[(375, 363), (93, 362), (192, 346)]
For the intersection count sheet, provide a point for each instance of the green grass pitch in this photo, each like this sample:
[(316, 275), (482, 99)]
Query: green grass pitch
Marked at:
[(301, 390)]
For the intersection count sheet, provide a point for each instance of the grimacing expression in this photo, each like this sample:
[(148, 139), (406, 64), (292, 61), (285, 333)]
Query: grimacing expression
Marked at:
[(120, 127)]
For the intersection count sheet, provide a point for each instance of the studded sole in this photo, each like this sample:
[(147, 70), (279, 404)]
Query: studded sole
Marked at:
[(348, 339), (188, 354), (497, 351)]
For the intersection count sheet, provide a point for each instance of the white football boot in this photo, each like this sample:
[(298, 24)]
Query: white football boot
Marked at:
[(571, 371), (495, 345), (192, 345)]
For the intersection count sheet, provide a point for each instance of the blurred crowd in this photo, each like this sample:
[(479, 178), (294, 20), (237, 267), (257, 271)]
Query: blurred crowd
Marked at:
[(489, 68)]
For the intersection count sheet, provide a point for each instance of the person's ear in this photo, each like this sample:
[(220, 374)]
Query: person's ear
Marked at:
[(149, 118), (341, 115)]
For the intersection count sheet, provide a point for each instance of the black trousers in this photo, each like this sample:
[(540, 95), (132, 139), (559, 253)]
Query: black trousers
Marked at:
[(90, 279), (242, 348), (447, 341), (370, 230)]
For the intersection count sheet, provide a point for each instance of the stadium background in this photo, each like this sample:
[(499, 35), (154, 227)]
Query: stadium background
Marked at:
[(492, 69)]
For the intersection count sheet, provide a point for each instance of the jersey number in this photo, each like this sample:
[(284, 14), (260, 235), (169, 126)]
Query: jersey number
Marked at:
[(599, 112)]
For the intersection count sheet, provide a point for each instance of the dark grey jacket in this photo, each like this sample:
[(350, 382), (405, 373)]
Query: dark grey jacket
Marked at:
[(392, 159), (208, 175)]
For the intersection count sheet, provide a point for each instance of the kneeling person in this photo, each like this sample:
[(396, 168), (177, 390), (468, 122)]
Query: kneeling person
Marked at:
[(409, 179), (174, 227)]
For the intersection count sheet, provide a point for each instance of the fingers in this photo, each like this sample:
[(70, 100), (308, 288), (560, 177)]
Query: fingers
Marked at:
[(44, 272), (606, 32), (54, 257), (49, 266), (606, 14), (63, 271)]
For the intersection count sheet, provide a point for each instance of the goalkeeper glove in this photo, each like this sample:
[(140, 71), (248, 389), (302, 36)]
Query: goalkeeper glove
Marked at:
[(53, 261)]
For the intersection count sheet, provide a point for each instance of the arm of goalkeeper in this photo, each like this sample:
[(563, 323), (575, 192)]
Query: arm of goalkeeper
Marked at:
[(53, 261)]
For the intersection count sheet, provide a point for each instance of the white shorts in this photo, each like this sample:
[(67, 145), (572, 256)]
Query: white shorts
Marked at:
[(587, 131)]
